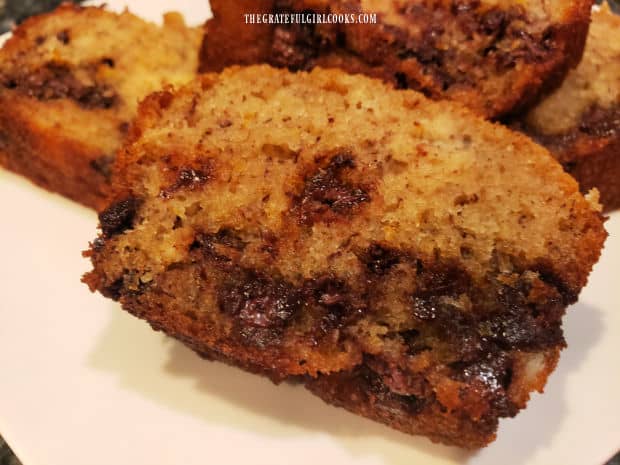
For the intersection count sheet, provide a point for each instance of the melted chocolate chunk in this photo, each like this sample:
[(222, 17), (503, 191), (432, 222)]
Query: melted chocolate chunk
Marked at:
[(494, 374), (260, 302), (230, 239), (64, 37), (290, 49), (295, 46), (549, 275), (374, 386), (188, 178), (396, 379), (119, 216), (109, 62), (56, 81), (507, 321), (113, 291), (519, 329), (215, 245), (493, 22), (338, 305), (496, 34), (413, 343), (401, 81), (425, 48), (327, 195), (528, 48), (601, 122), (446, 278), (254, 300), (380, 260)]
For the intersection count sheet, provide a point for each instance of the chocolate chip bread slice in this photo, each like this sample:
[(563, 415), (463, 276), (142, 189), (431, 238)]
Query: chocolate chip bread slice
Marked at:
[(493, 56), (580, 122), (402, 257), (70, 82)]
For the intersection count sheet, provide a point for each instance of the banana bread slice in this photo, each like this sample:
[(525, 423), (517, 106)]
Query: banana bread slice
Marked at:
[(402, 257), (580, 122), (494, 56), (70, 82)]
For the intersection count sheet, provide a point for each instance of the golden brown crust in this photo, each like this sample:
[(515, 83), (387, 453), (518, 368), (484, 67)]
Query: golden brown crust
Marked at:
[(496, 58), (580, 122), (572, 37), (53, 162), (70, 82), (415, 273)]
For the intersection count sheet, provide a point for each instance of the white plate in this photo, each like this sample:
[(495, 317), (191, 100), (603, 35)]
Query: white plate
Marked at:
[(84, 383)]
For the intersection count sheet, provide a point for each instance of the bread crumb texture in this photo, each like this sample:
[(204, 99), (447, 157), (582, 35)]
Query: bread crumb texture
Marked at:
[(402, 257)]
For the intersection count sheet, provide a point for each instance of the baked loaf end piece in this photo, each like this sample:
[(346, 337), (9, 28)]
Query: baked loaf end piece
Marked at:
[(70, 82), (411, 260), (495, 57), (580, 121)]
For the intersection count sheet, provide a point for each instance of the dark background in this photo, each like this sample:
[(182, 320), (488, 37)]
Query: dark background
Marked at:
[(15, 11)]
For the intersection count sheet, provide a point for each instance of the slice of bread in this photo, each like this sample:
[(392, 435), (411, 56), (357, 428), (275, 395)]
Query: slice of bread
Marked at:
[(70, 83), (496, 57), (580, 122), (408, 260)]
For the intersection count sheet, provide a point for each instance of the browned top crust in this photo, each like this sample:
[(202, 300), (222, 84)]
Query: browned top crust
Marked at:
[(580, 121), (495, 57), (326, 225), (70, 83)]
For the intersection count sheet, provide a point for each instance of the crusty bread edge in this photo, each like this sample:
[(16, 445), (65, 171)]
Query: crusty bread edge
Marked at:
[(46, 158), (599, 169), (572, 34)]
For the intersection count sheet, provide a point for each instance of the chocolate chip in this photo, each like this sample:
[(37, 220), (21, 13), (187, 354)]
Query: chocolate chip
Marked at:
[(56, 81), (215, 245), (109, 62), (379, 260), (601, 122), (493, 373), (260, 301), (113, 291), (401, 80), (493, 22), (327, 195), (119, 216), (295, 46), (63, 36), (187, 178)]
